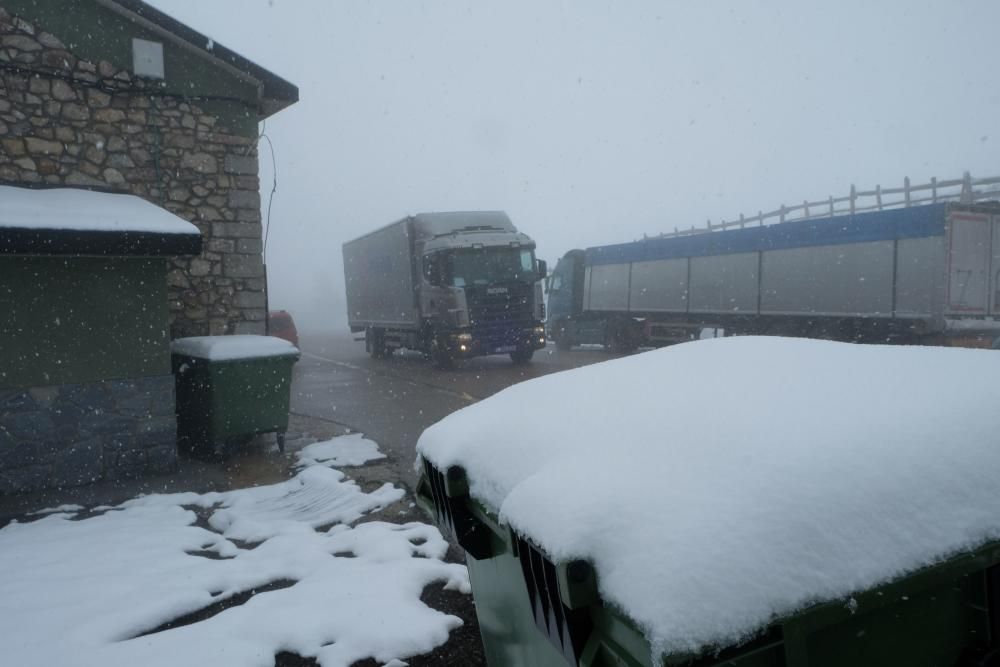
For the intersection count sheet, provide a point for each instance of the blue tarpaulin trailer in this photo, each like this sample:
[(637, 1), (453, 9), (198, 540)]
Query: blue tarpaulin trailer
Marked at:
[(918, 274)]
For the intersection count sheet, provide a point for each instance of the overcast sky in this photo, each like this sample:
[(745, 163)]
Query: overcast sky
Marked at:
[(596, 122)]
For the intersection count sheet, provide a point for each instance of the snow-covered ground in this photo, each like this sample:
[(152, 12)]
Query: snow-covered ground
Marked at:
[(99, 587), (720, 484), (346, 450)]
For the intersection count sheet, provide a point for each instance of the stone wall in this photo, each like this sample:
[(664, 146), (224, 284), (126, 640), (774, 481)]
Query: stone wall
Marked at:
[(74, 434), (73, 122)]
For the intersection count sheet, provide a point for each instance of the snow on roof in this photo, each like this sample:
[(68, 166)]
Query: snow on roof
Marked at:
[(85, 210), (719, 485), (222, 348)]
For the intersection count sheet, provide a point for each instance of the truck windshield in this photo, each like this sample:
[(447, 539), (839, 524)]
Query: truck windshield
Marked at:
[(490, 265), (562, 272)]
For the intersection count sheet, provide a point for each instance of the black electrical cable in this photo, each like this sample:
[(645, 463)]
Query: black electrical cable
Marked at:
[(274, 188)]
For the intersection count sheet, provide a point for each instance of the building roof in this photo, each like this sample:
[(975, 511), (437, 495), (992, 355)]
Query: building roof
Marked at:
[(276, 93), (71, 221)]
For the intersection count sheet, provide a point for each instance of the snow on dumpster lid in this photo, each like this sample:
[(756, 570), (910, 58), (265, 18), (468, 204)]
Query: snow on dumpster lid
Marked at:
[(223, 348), (721, 484), (72, 220)]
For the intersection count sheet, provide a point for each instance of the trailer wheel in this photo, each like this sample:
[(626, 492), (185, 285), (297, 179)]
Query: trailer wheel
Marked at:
[(375, 342), (562, 336), (620, 337), (522, 356)]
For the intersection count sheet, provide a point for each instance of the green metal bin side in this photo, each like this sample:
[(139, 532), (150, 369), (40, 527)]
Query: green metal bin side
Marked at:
[(530, 610), (535, 612), (222, 399)]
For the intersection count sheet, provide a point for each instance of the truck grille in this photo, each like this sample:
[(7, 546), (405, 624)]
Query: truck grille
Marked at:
[(499, 314)]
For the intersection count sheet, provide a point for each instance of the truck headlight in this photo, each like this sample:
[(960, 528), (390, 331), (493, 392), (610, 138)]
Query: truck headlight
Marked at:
[(539, 331)]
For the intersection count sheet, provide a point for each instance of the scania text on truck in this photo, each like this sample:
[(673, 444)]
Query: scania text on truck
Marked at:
[(925, 272), (451, 285)]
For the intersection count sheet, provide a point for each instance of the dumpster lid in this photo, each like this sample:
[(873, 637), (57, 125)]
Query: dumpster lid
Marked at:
[(720, 485), (224, 348), (74, 221)]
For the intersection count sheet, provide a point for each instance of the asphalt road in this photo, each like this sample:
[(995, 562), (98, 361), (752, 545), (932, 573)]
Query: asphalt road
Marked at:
[(393, 400)]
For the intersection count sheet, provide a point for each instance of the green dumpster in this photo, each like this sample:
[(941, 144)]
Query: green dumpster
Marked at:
[(230, 388), (745, 501), (534, 611)]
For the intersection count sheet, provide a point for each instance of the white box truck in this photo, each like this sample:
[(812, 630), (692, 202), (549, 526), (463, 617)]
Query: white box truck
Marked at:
[(451, 285)]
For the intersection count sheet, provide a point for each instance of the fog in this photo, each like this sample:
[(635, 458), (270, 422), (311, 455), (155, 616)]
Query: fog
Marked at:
[(596, 122)]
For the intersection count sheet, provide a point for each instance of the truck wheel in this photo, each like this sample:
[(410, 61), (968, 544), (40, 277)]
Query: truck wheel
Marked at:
[(563, 338), (444, 360), (620, 338), (522, 356), (375, 342)]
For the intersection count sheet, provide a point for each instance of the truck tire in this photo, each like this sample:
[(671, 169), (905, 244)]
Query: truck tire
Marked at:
[(562, 336), (621, 339), (520, 357), (444, 361), (442, 357), (375, 342)]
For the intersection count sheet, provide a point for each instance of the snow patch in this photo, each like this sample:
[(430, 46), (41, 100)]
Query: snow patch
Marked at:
[(346, 450), (90, 592), (62, 509), (720, 484)]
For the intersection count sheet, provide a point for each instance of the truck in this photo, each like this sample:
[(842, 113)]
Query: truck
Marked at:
[(922, 270), (451, 285)]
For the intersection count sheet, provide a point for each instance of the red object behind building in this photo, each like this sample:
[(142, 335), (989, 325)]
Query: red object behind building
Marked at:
[(281, 325)]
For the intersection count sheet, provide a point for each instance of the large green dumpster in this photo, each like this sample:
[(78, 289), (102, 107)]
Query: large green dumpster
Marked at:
[(230, 388), (832, 507), (533, 611)]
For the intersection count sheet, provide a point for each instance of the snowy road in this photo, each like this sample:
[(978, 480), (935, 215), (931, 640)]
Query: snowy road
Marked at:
[(393, 401)]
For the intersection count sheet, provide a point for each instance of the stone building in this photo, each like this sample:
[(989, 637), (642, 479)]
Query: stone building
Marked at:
[(86, 391), (114, 94), (116, 97)]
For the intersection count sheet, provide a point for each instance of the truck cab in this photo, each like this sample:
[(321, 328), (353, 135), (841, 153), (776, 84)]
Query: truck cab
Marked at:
[(483, 290), (570, 323), (565, 292)]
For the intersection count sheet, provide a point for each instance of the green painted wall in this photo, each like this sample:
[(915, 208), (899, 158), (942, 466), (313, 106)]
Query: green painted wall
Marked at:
[(73, 319), (95, 33)]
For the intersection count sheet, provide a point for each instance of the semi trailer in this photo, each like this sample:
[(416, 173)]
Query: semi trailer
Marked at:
[(451, 285), (924, 274)]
